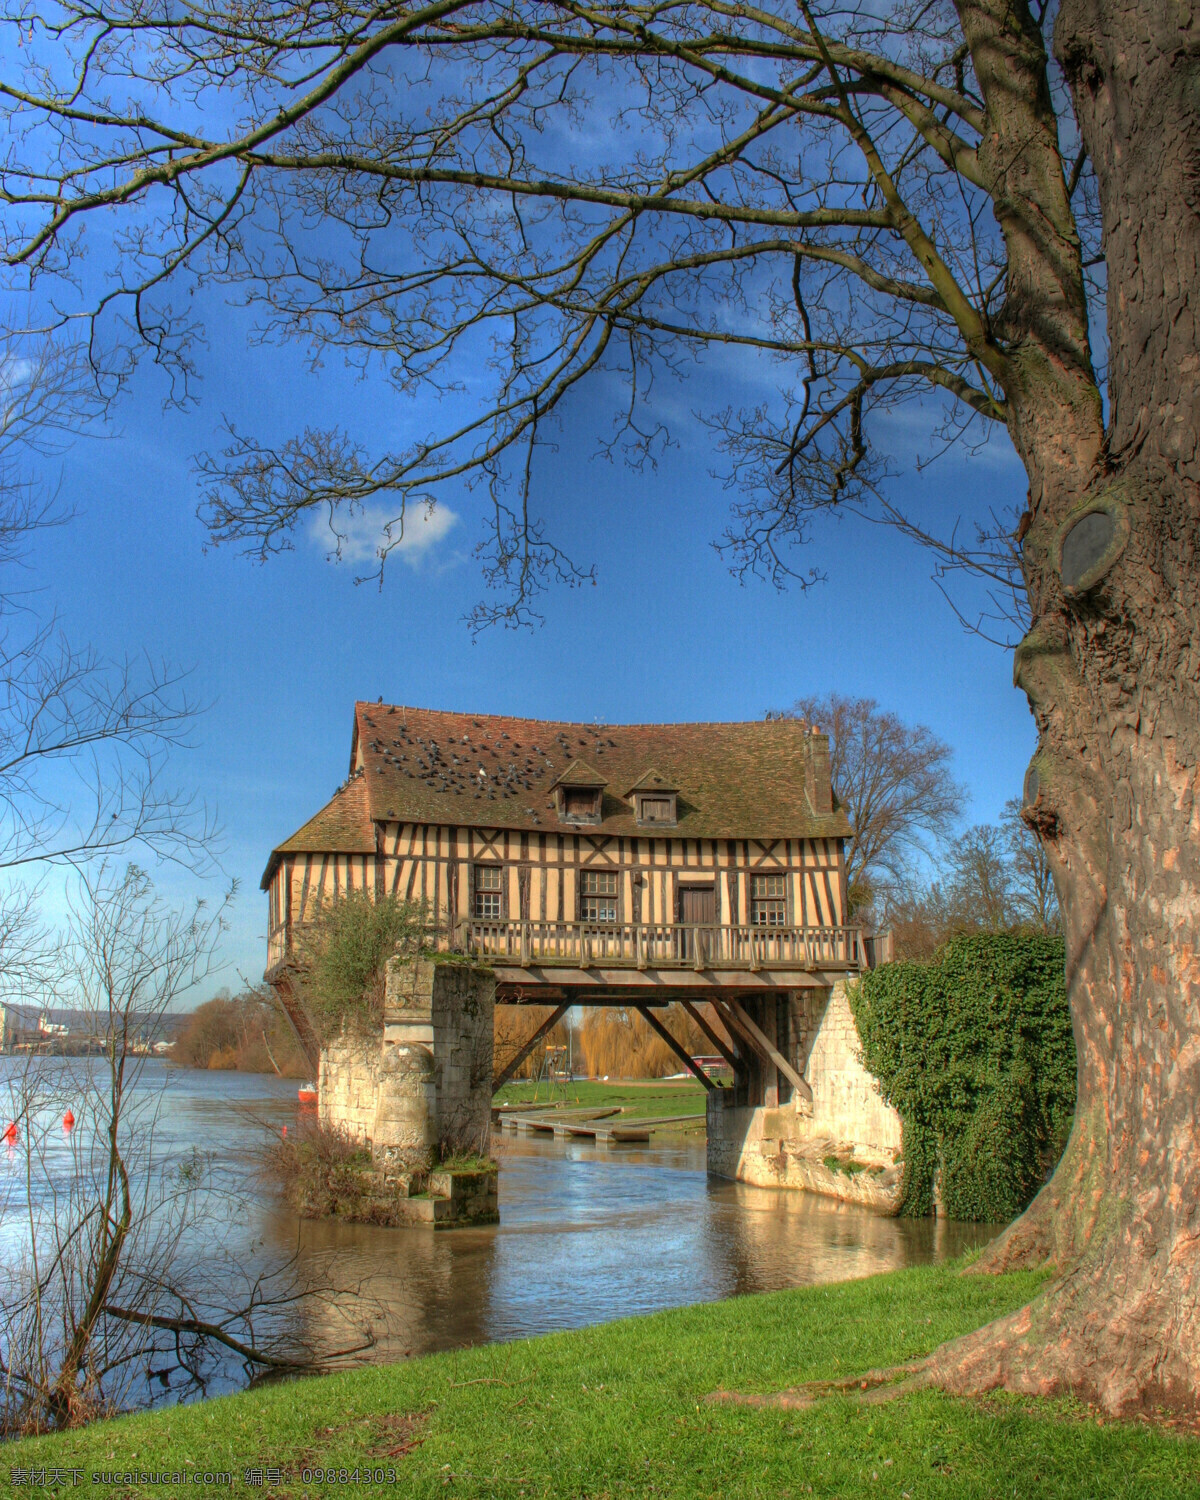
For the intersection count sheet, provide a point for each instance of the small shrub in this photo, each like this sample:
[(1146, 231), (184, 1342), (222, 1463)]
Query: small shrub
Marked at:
[(975, 1051), (344, 952), (315, 1159), (320, 1169)]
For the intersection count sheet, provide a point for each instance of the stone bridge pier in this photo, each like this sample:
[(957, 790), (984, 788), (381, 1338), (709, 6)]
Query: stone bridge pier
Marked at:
[(421, 1091), (831, 1133)]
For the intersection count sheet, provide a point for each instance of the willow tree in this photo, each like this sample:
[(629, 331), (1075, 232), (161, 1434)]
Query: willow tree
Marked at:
[(890, 198)]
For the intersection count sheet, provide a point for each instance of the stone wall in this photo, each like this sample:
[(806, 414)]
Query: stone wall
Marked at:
[(846, 1099), (348, 1085), (787, 1145), (424, 1087), (781, 1148), (463, 1006)]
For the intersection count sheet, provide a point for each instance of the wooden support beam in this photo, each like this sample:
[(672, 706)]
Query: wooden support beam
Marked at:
[(514, 1063), (291, 1003), (729, 1055), (768, 1049), (744, 1040), (677, 1048), (530, 994), (731, 1023)]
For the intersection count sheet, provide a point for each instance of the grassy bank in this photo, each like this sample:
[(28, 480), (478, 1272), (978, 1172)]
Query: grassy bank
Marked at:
[(637, 1098), (620, 1410)]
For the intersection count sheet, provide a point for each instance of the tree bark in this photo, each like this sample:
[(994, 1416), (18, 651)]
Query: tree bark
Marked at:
[(1111, 669)]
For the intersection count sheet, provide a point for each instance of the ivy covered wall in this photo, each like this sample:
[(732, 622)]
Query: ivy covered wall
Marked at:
[(975, 1051)]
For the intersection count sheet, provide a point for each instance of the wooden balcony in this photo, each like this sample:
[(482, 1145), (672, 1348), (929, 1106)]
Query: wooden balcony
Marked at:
[(602, 956), (728, 951)]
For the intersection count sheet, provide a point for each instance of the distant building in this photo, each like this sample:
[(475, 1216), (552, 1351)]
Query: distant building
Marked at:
[(30, 1027)]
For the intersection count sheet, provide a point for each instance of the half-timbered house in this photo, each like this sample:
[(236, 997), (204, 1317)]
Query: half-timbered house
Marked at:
[(639, 843), (632, 864)]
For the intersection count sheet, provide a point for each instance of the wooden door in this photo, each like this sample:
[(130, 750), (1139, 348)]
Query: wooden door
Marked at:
[(697, 908), (697, 905)]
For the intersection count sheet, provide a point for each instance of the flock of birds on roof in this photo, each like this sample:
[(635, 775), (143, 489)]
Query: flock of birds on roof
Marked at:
[(459, 766)]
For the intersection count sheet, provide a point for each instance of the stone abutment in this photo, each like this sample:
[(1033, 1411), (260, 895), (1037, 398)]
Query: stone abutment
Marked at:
[(844, 1144), (421, 1092)]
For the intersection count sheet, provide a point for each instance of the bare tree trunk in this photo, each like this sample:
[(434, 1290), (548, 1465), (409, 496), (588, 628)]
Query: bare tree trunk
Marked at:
[(1111, 669)]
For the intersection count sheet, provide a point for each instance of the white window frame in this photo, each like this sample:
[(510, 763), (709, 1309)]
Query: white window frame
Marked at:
[(487, 893), (769, 899), (613, 896)]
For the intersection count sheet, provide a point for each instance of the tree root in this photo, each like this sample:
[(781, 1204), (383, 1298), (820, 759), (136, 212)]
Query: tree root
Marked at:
[(1058, 1225), (1040, 1350)]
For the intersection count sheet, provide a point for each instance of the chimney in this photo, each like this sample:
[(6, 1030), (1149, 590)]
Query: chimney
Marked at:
[(818, 787)]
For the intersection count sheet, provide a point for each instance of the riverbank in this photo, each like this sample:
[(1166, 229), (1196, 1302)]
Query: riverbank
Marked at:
[(636, 1098), (245, 1033), (621, 1410)]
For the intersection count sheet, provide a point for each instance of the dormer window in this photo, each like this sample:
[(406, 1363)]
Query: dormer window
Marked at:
[(656, 809), (655, 800), (579, 794), (580, 802)]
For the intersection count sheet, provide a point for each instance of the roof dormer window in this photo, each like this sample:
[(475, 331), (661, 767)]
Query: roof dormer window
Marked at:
[(579, 794), (656, 809), (580, 803), (655, 801)]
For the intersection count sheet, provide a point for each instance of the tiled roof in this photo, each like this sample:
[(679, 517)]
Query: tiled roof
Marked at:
[(343, 826), (486, 770), (579, 773)]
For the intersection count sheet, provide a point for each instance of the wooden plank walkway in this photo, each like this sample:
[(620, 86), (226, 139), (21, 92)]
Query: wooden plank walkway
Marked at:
[(594, 1128)]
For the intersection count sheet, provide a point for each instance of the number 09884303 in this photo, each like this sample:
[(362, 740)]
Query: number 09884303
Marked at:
[(370, 1474)]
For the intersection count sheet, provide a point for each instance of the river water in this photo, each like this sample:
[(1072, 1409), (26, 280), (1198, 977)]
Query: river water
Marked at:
[(586, 1234)]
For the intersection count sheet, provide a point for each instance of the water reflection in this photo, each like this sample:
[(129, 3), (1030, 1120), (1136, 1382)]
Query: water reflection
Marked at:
[(587, 1233)]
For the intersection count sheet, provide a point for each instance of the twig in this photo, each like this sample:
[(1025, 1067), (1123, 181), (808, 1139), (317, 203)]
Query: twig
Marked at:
[(458, 1385), (873, 1387)]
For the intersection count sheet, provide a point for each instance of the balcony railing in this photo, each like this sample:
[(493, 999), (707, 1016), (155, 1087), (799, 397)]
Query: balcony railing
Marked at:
[(640, 945), (649, 945)]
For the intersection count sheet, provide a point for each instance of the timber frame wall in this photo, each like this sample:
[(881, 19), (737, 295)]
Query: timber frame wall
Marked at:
[(540, 875)]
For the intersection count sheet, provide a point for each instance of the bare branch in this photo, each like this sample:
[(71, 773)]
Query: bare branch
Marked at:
[(410, 188)]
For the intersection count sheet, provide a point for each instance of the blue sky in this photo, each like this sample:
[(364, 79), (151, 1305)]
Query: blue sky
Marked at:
[(282, 650)]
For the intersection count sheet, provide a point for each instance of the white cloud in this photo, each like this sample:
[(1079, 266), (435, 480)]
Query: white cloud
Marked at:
[(360, 537), (15, 372)]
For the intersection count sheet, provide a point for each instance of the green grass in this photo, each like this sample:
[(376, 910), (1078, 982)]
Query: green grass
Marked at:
[(845, 1165), (466, 1161), (620, 1410), (638, 1099)]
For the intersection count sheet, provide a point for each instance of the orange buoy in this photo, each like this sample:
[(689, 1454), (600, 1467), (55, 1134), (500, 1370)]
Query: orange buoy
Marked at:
[(284, 1130), (68, 1120), (11, 1133)]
